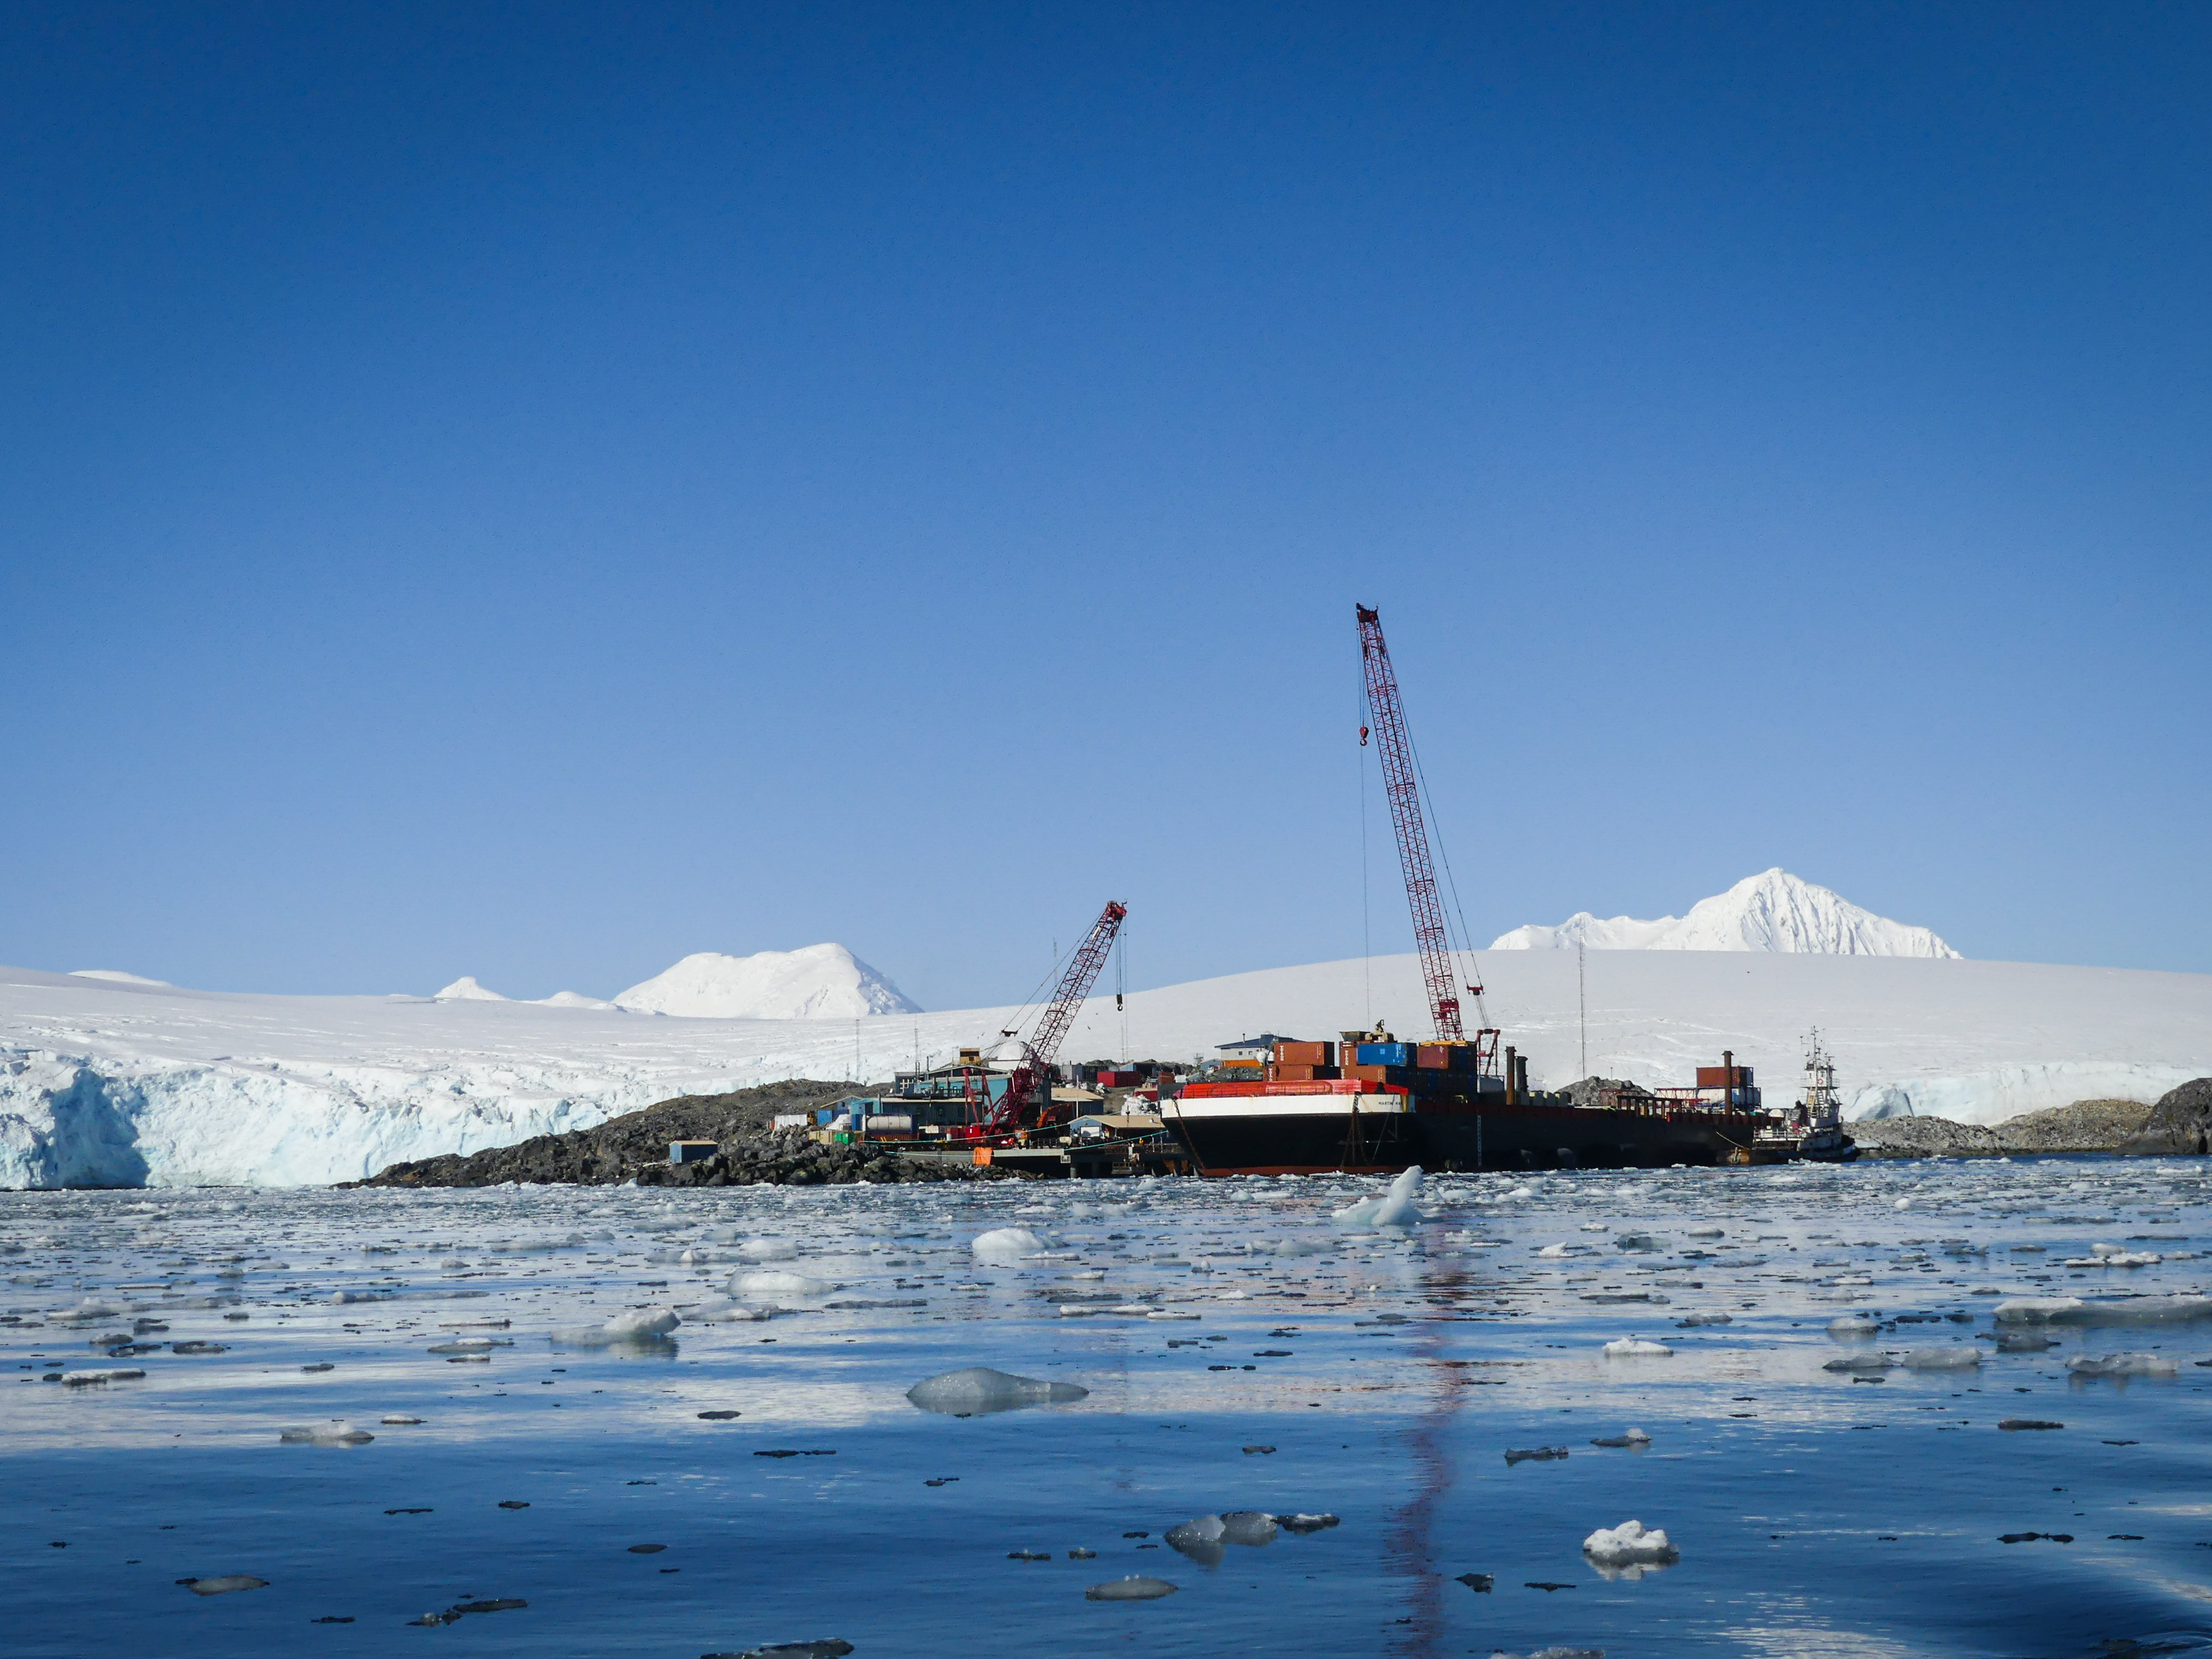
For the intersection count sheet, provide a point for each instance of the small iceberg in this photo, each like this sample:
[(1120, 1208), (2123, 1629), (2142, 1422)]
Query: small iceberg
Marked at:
[(978, 1391)]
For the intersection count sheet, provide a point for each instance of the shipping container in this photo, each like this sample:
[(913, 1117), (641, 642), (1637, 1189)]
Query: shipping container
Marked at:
[(1724, 1077), (1432, 1056), (1385, 1054), (1281, 1073), (1305, 1054)]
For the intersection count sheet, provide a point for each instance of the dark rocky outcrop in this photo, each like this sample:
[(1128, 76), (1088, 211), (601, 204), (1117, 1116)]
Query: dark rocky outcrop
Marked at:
[(2087, 1125), (2181, 1122), (634, 1147)]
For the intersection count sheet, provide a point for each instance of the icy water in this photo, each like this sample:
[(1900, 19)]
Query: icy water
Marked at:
[(1243, 1349)]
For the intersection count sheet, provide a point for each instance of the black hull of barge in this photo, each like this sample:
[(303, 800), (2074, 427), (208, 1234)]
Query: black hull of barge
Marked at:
[(1503, 1138)]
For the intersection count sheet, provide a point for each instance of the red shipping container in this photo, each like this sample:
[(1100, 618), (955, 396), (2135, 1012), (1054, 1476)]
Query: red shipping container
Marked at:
[(1304, 1054), (1371, 1073), (1281, 1073), (1724, 1077), (1432, 1056)]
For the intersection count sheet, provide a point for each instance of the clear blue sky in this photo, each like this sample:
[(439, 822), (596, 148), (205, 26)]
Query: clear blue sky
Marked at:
[(534, 491)]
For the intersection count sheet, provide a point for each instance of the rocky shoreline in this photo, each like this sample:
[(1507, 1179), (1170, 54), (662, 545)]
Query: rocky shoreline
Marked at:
[(2180, 1124), (634, 1147)]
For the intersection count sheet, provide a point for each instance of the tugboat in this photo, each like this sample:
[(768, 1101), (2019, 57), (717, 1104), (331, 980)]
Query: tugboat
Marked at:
[(1818, 1118)]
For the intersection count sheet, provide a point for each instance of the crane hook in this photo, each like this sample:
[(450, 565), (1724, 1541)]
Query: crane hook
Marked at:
[(1363, 736)]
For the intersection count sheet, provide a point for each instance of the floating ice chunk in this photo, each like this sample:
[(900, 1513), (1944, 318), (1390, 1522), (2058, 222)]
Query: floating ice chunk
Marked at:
[(1305, 1523), (2111, 1256), (1603, 1227), (1708, 1232), (1852, 1325), (1167, 1312), (1706, 1319), (397, 1421), (1860, 1362), (1533, 1455), (1550, 1653), (979, 1390), (1631, 1437), (1004, 1244), (1555, 1251), (326, 1434), (1902, 1204), (2120, 1310), (1626, 1550), (1633, 1348), (1304, 1247), (721, 1310), (641, 1327), (1392, 1209), (775, 1281), (1644, 1242), (1135, 1587), (100, 1378), (768, 1249), (2121, 1365), (224, 1584), (1942, 1359), (1204, 1538)]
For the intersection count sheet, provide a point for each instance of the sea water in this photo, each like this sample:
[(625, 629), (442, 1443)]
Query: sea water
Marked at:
[(654, 1422)]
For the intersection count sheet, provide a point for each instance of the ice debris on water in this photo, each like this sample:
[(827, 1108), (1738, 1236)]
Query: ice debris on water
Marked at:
[(1861, 1362), (1394, 1208), (1203, 1537), (1632, 1437), (768, 1249), (1636, 1347), (223, 1584), (1006, 1244), (1134, 1587), (2119, 1310), (776, 1281), (822, 1647), (1551, 1653), (96, 1379), (2121, 1365), (1535, 1454), (326, 1434), (1942, 1359), (1706, 1319), (1852, 1325), (643, 1326), (1626, 1550), (400, 1422), (979, 1390)]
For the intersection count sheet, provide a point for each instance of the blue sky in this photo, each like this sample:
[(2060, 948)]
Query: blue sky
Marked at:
[(539, 491)]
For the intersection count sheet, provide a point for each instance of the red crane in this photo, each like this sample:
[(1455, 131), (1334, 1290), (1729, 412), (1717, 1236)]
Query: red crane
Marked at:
[(1028, 1100), (1386, 713)]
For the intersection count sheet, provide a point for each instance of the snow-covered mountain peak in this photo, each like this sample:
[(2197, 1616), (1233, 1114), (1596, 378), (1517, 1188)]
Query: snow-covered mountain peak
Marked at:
[(466, 989), (820, 982), (116, 976), (1773, 910)]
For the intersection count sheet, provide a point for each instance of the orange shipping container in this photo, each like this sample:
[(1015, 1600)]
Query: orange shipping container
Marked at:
[(1304, 1054), (1371, 1073), (1281, 1073), (1724, 1077)]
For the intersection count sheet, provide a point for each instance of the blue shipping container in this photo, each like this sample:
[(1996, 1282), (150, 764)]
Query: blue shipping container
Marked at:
[(1386, 1053)]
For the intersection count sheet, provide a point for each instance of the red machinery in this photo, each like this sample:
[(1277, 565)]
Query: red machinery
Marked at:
[(1028, 1101), (1386, 713)]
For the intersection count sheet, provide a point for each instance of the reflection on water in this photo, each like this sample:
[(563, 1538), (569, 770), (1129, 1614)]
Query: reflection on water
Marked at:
[(363, 1411)]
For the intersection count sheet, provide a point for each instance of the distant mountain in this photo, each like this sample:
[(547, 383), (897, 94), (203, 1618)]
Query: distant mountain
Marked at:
[(821, 981), (1771, 911), (466, 989)]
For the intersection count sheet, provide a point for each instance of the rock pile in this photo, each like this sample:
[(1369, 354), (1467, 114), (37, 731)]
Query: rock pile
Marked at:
[(2180, 1123), (788, 1158), (634, 1147), (2087, 1125)]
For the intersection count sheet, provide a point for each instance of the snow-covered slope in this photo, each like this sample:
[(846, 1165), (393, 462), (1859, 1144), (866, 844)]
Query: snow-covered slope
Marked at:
[(1771, 911), (822, 982), (115, 1083), (466, 989)]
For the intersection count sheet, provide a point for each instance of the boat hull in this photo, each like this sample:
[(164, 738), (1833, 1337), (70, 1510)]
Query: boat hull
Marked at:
[(1311, 1137)]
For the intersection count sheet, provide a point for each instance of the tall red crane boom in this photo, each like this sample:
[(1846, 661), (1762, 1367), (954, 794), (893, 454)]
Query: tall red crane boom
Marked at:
[(1387, 714), (1030, 1087)]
